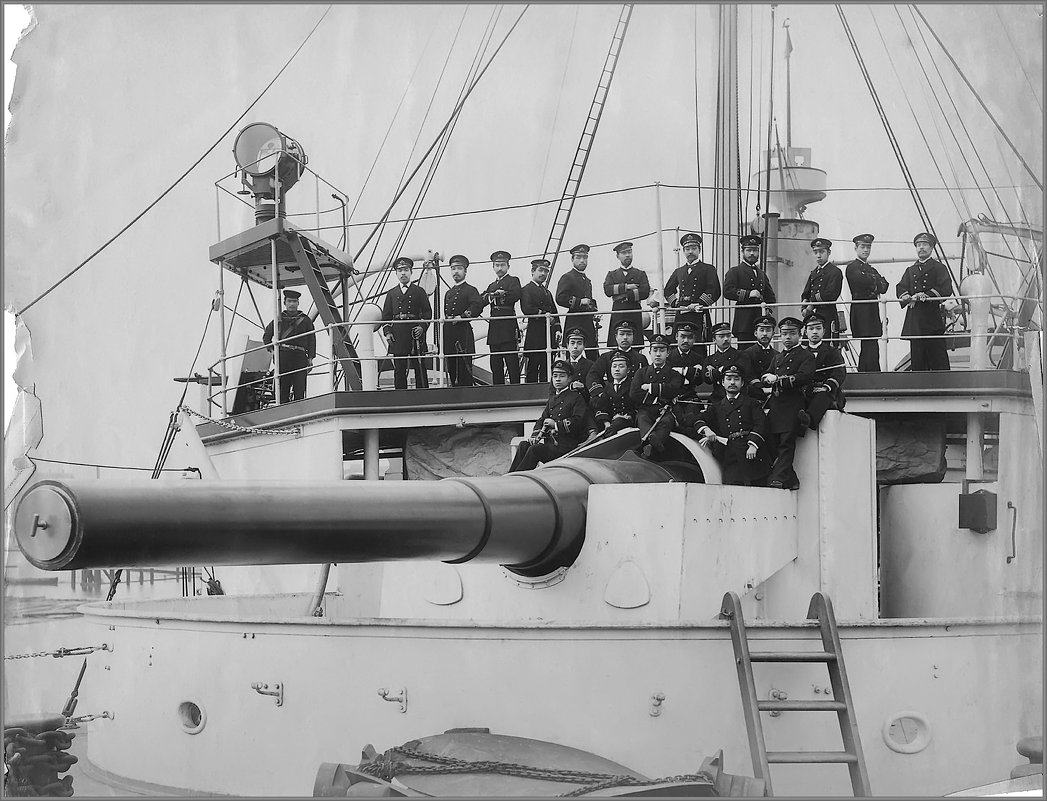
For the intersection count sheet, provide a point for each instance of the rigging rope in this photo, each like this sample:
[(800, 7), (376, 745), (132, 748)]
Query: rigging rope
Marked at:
[(977, 97), (1017, 57), (697, 133), (180, 178)]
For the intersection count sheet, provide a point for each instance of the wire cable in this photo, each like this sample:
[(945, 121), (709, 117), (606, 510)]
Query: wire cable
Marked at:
[(182, 177)]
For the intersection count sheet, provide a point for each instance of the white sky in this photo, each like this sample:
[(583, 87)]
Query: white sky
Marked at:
[(15, 19)]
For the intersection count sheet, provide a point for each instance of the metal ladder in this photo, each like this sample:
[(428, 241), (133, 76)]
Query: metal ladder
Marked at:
[(821, 609), (326, 308), (585, 143)]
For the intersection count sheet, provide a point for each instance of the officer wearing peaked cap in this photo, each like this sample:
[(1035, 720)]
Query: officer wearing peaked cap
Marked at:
[(297, 354), (685, 359), (826, 389), (692, 289), (574, 292), (790, 371), (749, 288), (655, 387), (865, 284), (626, 286), (723, 354), (614, 406), (407, 313), (600, 374), (824, 285), (537, 300), (734, 429), (921, 290), (503, 331), (462, 304), (756, 360), (560, 427)]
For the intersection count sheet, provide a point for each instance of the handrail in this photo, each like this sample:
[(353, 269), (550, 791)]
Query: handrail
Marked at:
[(321, 362)]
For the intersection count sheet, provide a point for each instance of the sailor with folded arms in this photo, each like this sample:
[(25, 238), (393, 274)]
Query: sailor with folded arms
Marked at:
[(723, 354), (626, 286)]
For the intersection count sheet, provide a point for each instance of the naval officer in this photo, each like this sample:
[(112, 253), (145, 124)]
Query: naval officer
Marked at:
[(823, 287), (866, 283), (296, 356), (790, 371), (748, 286), (408, 303), (692, 289), (626, 286), (503, 332), (462, 305), (921, 290), (574, 292), (536, 299), (559, 428)]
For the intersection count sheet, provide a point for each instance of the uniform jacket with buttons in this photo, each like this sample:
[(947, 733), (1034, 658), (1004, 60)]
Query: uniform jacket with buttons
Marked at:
[(692, 367), (412, 306), (665, 383), (567, 408), (538, 300), (754, 361), (926, 317), (293, 324), (692, 283), (737, 284), (865, 283), (503, 331), (460, 300), (600, 373), (573, 287), (616, 400), (830, 371), (741, 419), (623, 299), (795, 369), (715, 363), (824, 284)]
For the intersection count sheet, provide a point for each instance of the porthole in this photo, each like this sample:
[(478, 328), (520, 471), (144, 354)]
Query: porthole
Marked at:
[(907, 732), (192, 717)]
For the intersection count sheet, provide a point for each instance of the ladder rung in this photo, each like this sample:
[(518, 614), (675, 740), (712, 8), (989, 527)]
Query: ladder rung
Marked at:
[(791, 656), (801, 706), (809, 757)]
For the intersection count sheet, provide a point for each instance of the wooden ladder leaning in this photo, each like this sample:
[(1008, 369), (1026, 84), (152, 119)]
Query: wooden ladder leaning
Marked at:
[(832, 655)]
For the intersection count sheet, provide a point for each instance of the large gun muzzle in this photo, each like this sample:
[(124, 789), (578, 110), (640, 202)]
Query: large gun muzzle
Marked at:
[(531, 522)]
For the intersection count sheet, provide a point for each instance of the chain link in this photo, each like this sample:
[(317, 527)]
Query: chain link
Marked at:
[(386, 767), (82, 650), (297, 430)]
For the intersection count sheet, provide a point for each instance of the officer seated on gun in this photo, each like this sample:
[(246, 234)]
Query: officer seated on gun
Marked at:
[(734, 430), (600, 374), (654, 389), (685, 359), (614, 406), (826, 391), (558, 429)]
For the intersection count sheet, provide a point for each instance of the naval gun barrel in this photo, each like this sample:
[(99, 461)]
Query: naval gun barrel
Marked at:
[(531, 522)]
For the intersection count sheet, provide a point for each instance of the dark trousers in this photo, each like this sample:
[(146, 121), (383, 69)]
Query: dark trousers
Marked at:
[(616, 425), (460, 370), (928, 354), (507, 360), (294, 367), (869, 356), (400, 365), (537, 367), (783, 446), (817, 406), (529, 456), (646, 417)]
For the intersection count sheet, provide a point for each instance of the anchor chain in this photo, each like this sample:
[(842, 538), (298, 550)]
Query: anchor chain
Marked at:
[(60, 652), (32, 763), (386, 766), (297, 430)]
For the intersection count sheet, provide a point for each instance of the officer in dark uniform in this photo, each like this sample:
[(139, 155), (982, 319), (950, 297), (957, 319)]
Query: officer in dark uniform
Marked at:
[(580, 368), (626, 286), (462, 304), (921, 289), (866, 283), (791, 370), (615, 408), (653, 390), (823, 287), (600, 373), (692, 288), (407, 339), (296, 356), (825, 392), (748, 286), (685, 359), (558, 429), (536, 299), (756, 359), (723, 354), (735, 431), (503, 335), (574, 292)]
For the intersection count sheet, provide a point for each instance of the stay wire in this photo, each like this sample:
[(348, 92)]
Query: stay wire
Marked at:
[(697, 131), (182, 177), (978, 97), (446, 125), (1017, 57)]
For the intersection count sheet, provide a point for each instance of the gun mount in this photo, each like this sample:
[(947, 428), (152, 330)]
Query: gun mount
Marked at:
[(532, 522)]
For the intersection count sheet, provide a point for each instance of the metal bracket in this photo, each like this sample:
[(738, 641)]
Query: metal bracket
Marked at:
[(1014, 524), (277, 691), (656, 704), (777, 695), (400, 697)]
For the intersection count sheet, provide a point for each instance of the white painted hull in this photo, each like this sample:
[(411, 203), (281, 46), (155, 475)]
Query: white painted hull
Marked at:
[(585, 686)]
